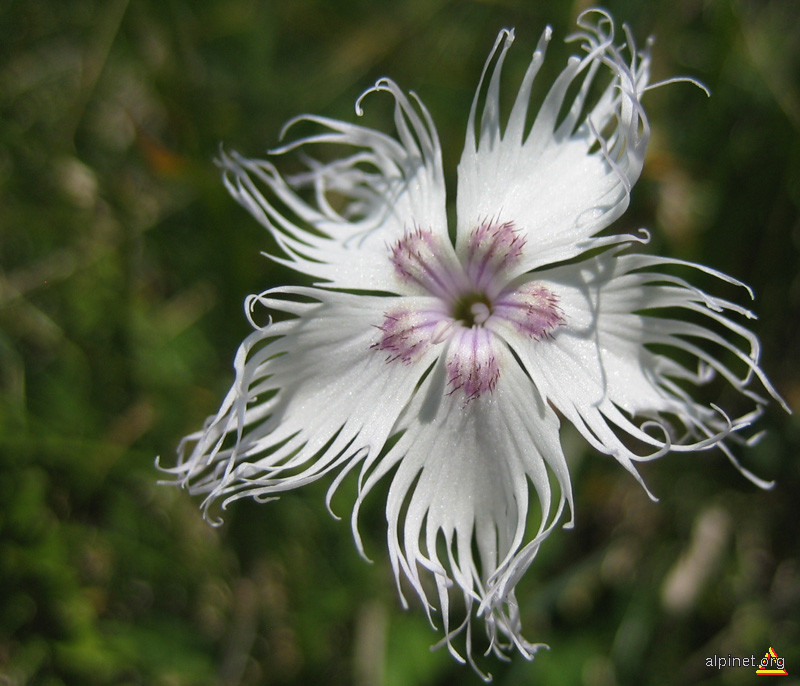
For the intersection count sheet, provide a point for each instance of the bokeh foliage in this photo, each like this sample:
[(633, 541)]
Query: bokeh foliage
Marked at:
[(123, 264)]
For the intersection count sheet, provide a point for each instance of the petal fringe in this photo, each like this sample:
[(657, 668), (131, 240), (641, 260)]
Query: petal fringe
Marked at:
[(385, 187), (310, 396), (614, 369), (460, 484), (568, 175)]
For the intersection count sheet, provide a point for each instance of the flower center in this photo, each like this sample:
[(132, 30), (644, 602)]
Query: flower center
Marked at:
[(472, 309), (471, 294)]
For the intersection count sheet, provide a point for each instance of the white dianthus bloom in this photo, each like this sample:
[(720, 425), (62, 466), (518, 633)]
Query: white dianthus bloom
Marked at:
[(446, 362)]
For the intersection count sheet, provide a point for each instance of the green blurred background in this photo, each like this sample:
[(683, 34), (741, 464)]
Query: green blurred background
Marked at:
[(123, 265)]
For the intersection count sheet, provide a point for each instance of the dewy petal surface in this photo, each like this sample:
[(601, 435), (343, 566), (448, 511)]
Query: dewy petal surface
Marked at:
[(447, 378)]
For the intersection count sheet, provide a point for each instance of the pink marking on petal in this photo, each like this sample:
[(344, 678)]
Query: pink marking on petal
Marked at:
[(421, 257), (492, 248), (407, 334), (472, 366), (532, 309)]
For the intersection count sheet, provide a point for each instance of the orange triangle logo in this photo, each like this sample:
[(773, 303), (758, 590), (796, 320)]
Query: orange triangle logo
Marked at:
[(772, 665)]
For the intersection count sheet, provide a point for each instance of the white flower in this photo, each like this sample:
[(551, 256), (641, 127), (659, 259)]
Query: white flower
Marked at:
[(446, 358)]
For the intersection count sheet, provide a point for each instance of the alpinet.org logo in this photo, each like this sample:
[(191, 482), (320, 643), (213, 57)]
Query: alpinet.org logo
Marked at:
[(771, 664)]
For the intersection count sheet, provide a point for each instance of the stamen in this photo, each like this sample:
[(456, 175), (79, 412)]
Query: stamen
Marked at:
[(480, 312), (471, 309)]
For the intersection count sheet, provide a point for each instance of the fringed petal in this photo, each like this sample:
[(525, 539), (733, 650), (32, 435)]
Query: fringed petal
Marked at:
[(569, 175), (361, 201), (311, 394), (613, 370), (461, 484)]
